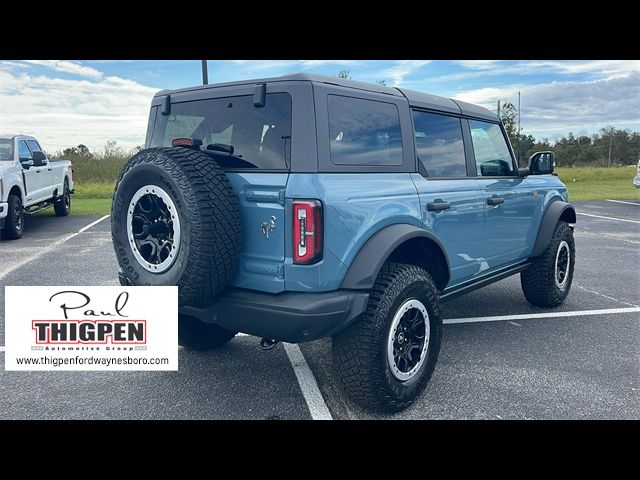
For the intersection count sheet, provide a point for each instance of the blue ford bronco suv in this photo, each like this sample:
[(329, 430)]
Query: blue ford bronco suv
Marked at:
[(302, 207)]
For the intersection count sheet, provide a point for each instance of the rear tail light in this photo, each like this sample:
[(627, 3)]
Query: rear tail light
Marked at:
[(307, 231)]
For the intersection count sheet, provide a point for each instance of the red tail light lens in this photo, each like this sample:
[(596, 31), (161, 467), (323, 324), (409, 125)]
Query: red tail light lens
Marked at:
[(307, 231)]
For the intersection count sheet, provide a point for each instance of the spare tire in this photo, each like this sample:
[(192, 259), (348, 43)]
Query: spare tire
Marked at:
[(176, 221)]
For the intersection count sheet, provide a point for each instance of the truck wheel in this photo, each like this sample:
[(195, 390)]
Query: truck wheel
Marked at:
[(14, 223), (385, 359), (546, 283), (194, 334), (62, 206), (176, 221)]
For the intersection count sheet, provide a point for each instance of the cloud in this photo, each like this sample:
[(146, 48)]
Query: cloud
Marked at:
[(594, 69), (66, 112), (402, 68), (66, 66), (12, 65), (558, 107), (477, 64)]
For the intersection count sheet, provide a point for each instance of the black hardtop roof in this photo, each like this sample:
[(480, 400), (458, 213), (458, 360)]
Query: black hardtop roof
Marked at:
[(416, 99)]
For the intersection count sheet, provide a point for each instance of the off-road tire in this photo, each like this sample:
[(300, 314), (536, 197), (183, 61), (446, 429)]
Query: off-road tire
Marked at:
[(539, 281), (209, 217), (194, 334), (360, 351), (62, 206), (13, 229)]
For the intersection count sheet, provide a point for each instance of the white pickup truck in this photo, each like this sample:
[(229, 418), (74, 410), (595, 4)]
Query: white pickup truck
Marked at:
[(30, 183)]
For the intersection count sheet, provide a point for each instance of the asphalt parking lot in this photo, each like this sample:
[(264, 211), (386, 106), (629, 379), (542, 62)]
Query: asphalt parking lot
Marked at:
[(501, 358)]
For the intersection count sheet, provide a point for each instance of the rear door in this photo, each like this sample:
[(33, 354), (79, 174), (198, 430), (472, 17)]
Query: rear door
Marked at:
[(509, 203), (451, 202), (253, 145)]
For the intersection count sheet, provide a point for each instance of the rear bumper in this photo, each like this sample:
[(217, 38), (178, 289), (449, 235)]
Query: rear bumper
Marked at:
[(290, 316)]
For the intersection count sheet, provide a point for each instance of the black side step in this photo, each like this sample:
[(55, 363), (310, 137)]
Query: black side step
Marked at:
[(482, 282)]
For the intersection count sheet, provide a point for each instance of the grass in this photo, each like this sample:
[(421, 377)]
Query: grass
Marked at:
[(586, 183), (93, 190), (85, 206)]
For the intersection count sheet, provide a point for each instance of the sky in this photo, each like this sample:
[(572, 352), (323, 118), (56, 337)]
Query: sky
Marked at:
[(67, 102)]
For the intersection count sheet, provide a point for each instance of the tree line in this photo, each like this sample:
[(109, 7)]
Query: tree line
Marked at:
[(609, 147)]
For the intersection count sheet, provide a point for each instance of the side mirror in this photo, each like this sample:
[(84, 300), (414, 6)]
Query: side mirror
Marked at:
[(542, 163), (39, 159)]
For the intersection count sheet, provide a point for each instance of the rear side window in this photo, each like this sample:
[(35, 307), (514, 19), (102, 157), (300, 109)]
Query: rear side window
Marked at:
[(439, 144), (493, 158), (242, 135), (364, 132)]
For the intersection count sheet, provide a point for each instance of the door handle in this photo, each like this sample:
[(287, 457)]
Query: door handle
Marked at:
[(495, 200), (438, 206), (49, 169), (37, 171)]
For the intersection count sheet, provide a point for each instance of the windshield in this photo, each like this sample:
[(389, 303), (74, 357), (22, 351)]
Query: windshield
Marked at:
[(232, 130), (6, 149)]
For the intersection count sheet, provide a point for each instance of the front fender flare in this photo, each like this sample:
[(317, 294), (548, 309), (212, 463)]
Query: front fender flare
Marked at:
[(548, 224), (365, 267)]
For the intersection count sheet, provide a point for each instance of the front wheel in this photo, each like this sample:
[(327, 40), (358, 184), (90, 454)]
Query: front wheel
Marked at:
[(62, 206), (385, 359), (546, 283), (14, 223)]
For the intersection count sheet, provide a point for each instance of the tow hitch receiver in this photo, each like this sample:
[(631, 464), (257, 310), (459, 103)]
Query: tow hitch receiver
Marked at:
[(267, 343)]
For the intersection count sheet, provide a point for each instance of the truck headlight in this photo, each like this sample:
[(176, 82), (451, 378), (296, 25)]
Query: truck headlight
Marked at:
[(1, 189)]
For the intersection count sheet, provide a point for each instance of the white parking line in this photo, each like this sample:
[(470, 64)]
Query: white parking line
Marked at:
[(608, 218), (531, 316), (308, 384), (626, 203), (603, 295), (24, 261)]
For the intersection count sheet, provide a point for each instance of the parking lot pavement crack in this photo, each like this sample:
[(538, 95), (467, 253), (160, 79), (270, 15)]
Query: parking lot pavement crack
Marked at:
[(603, 295)]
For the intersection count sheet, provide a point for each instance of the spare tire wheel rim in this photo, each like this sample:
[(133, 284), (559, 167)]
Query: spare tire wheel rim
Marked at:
[(408, 340), (563, 262), (153, 229)]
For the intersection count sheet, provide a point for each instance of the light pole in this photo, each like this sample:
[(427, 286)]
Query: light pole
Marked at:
[(205, 73)]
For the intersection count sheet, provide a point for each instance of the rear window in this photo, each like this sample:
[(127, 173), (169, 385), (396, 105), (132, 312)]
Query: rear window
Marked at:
[(364, 132), (238, 134)]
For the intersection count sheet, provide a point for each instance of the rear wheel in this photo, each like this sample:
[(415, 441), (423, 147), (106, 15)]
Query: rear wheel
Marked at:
[(194, 334), (14, 222), (385, 360), (62, 206)]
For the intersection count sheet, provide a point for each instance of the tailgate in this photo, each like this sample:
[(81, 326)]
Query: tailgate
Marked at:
[(262, 210)]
